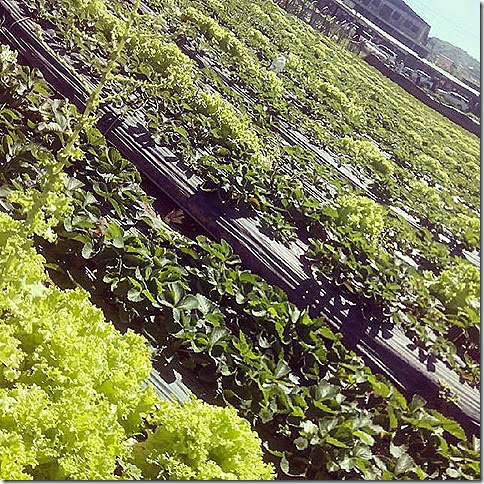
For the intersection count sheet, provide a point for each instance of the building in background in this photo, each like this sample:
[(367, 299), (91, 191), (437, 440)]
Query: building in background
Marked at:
[(399, 20)]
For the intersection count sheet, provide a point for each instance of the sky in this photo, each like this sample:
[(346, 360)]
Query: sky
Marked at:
[(456, 21)]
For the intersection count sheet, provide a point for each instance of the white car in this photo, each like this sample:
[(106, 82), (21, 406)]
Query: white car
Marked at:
[(408, 72), (381, 52), (454, 99), (365, 36)]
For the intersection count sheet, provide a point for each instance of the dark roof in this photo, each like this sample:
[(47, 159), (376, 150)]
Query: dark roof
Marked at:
[(405, 8)]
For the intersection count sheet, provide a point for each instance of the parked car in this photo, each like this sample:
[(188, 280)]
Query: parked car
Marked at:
[(424, 79), (454, 99), (381, 52), (408, 72), (364, 35)]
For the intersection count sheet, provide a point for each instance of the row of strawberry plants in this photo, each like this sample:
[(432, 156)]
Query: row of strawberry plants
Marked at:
[(242, 62), (221, 166), (386, 287), (430, 308), (319, 410), (373, 273)]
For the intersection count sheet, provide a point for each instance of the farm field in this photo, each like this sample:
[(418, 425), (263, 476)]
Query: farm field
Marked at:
[(382, 190)]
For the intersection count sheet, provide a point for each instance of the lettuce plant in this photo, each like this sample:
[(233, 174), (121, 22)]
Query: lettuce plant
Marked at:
[(199, 442)]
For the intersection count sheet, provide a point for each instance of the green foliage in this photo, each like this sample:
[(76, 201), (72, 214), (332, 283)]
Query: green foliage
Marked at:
[(361, 215), (68, 388), (470, 229), (199, 442), (320, 411), (19, 89), (56, 205), (459, 286), (367, 154), (71, 392)]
